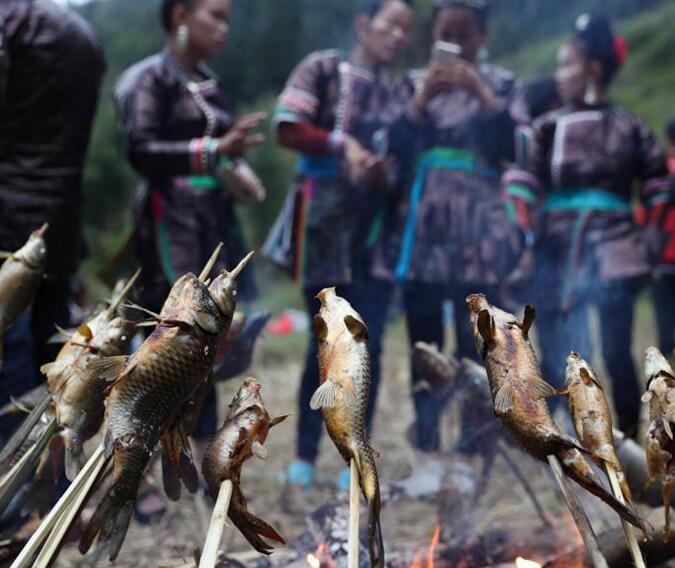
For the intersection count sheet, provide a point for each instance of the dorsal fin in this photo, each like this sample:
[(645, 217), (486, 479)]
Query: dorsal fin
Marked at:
[(528, 319), (486, 327)]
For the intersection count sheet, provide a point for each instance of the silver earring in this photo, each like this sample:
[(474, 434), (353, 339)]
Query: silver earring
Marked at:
[(182, 38), (591, 95)]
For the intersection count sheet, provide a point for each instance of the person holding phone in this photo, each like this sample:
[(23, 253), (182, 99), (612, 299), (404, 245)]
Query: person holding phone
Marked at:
[(450, 234), (332, 112)]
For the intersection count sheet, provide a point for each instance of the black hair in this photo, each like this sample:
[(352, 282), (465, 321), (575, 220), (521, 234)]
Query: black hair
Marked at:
[(594, 34), (541, 96), (670, 130), (479, 9), (372, 7), (166, 9)]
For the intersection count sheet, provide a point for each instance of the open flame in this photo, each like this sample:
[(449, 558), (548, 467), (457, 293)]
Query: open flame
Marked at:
[(320, 558), (524, 563), (417, 561)]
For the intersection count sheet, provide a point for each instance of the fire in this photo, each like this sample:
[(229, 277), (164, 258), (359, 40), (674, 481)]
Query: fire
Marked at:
[(523, 563), (417, 561), (320, 558)]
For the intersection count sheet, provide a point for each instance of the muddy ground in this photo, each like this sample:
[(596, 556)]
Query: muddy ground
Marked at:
[(409, 524)]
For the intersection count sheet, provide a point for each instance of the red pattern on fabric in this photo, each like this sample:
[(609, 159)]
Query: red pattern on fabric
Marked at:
[(303, 137)]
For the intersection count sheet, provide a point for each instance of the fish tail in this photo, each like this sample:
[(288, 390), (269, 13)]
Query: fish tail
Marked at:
[(667, 487), (576, 468), (370, 486), (250, 526), (74, 459), (110, 522)]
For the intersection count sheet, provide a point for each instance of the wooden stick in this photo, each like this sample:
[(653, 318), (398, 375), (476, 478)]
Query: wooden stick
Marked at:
[(579, 516), (631, 539), (218, 521), (55, 539), (92, 468), (211, 263), (354, 511)]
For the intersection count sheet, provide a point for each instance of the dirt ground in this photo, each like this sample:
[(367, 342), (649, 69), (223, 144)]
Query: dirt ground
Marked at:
[(171, 541)]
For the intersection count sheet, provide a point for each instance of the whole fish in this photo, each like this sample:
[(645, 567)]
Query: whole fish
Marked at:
[(592, 417), (246, 427), (20, 277), (80, 376), (519, 395), (439, 373), (660, 444), (342, 396), (149, 396)]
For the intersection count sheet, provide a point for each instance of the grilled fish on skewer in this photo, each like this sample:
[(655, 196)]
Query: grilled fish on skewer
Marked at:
[(242, 436), (344, 365), (519, 393), (20, 277), (149, 395), (660, 443), (592, 418), (79, 378)]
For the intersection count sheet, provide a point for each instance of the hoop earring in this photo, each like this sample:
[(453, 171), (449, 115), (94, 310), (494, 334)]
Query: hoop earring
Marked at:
[(182, 38)]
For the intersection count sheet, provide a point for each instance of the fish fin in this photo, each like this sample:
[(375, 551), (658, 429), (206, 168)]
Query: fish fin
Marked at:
[(325, 396), (504, 397), (259, 450), (278, 420), (133, 306), (357, 328), (250, 526), (47, 367), (61, 335), (4, 255), (486, 328), (176, 446), (375, 542), (528, 318), (538, 388), (111, 522), (170, 478), (108, 368), (668, 429), (74, 460), (320, 328)]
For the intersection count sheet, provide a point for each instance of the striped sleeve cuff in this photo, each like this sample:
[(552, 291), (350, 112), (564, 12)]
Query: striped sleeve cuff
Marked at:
[(295, 105), (521, 185), (658, 191)]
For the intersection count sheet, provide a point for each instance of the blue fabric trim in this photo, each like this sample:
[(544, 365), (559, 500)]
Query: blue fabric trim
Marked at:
[(584, 199), (317, 166)]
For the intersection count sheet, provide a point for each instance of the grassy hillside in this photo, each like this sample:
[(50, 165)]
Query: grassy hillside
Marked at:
[(646, 86)]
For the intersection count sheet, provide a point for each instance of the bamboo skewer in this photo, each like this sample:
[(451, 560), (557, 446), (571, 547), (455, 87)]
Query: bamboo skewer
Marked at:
[(354, 511), (579, 516), (209, 556), (73, 495), (211, 263), (629, 531)]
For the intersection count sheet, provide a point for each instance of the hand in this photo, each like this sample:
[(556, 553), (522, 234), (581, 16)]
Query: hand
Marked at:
[(239, 138), (446, 76), (357, 160)]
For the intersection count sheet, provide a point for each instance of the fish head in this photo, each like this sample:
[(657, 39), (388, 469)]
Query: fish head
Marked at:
[(336, 315), (175, 293), (248, 395), (223, 289), (34, 252), (656, 364), (488, 322), (578, 371)]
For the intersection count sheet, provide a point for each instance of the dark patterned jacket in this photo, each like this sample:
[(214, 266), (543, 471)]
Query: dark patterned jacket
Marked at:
[(451, 225), (582, 167), (325, 233), (51, 67), (171, 122)]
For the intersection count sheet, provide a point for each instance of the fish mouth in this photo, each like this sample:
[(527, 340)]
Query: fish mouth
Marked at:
[(41, 231), (477, 303), (253, 384), (325, 294)]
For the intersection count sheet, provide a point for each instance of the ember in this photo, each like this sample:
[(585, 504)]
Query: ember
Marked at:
[(417, 562)]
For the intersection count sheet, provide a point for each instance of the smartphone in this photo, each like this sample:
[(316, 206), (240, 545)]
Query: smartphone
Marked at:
[(443, 51)]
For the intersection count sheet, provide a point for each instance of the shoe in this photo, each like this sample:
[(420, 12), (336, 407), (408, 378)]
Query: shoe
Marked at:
[(343, 480), (300, 473)]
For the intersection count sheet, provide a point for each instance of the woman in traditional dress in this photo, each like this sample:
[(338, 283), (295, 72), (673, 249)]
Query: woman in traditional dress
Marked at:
[(332, 113), (584, 162)]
